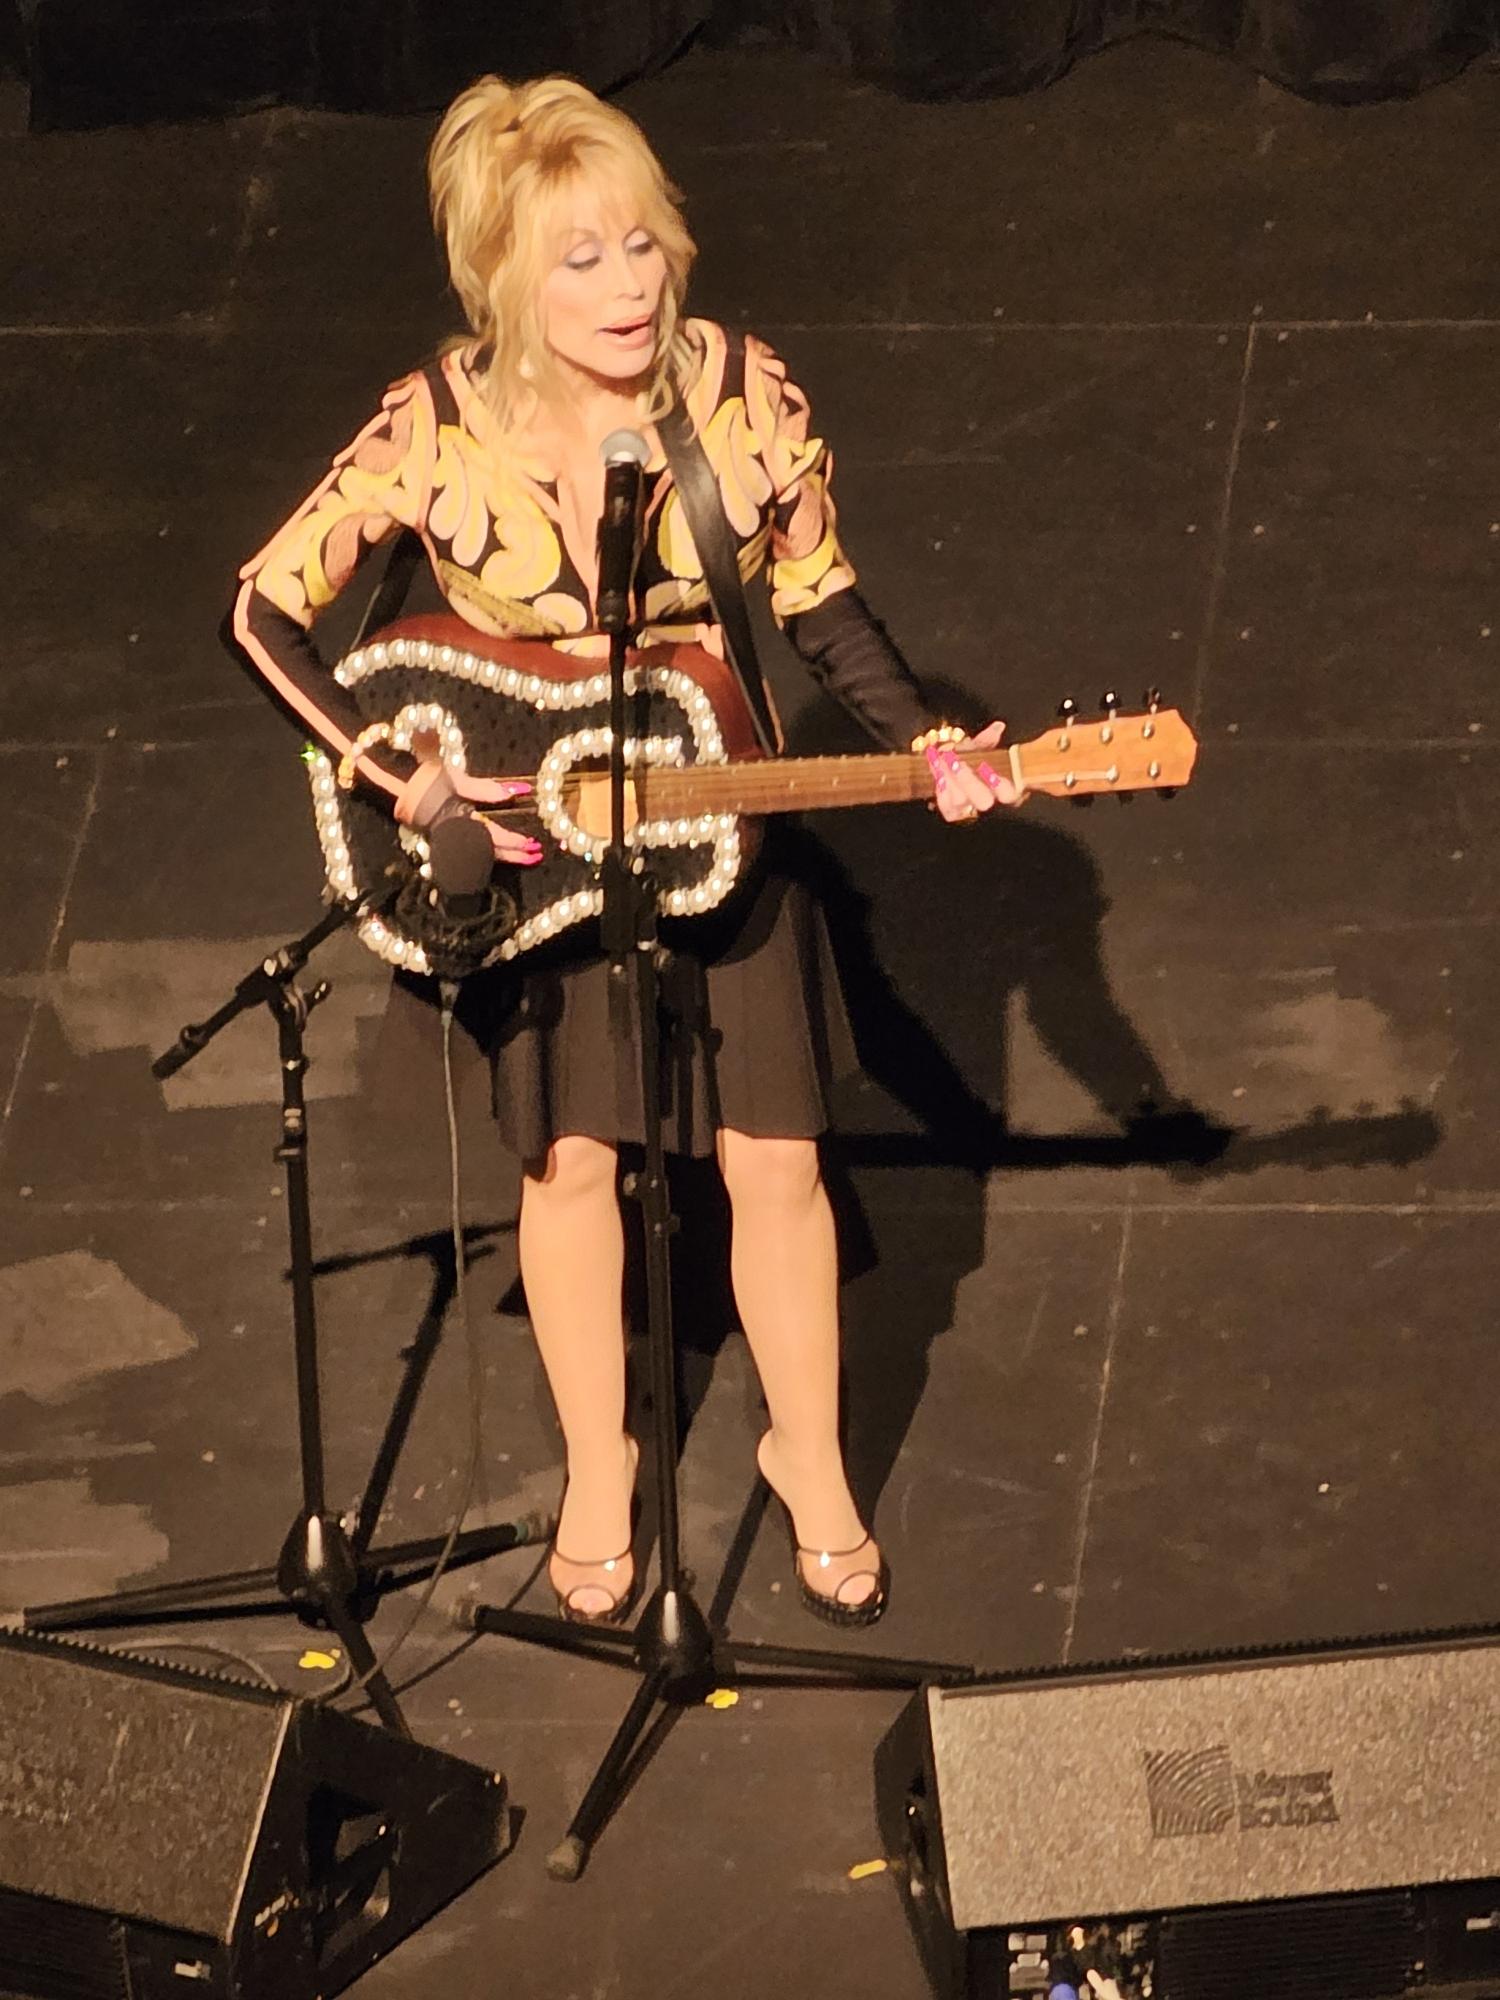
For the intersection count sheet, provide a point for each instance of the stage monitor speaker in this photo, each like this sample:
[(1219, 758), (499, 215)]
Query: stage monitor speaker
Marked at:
[(165, 1831), (1334, 1789)]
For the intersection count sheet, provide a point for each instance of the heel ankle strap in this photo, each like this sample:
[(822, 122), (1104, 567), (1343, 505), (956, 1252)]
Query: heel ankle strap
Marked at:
[(823, 1557)]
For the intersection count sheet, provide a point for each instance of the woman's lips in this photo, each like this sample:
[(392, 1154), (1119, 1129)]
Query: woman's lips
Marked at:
[(634, 333)]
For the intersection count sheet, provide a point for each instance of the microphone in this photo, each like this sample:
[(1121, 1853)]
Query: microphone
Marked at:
[(462, 862), (624, 454)]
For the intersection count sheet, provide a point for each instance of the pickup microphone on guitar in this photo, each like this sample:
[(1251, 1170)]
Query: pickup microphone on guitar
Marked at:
[(624, 454)]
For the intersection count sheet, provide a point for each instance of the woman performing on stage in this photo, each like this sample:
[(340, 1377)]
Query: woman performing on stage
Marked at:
[(570, 256)]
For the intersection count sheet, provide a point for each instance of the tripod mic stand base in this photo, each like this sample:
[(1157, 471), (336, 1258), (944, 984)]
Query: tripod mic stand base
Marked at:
[(681, 1663), (317, 1575)]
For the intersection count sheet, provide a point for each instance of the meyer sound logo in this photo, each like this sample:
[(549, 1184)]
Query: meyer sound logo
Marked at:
[(1201, 1791)]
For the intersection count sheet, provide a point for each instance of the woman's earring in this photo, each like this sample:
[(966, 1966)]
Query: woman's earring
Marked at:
[(525, 370)]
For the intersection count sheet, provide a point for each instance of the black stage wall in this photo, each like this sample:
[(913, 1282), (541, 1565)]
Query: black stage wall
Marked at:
[(108, 61)]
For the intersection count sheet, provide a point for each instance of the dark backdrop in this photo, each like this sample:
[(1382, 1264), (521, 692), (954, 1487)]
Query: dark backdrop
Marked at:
[(103, 61)]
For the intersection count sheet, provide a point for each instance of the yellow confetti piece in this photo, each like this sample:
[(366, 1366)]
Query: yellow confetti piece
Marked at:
[(326, 1661), (864, 1868), (721, 1698)]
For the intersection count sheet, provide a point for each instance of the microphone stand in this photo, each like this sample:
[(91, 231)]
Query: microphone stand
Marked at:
[(678, 1655), (329, 1578)]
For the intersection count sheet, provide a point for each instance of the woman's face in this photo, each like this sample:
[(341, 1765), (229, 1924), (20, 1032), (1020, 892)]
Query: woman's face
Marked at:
[(601, 296)]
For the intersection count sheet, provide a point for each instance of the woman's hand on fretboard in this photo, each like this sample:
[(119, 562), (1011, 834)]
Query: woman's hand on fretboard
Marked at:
[(962, 794)]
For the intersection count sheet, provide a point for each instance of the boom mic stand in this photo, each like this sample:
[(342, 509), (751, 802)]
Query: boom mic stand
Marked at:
[(328, 1577), (679, 1657)]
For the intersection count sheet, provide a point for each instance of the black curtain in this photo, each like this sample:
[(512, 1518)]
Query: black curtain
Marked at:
[(1339, 50), (101, 61)]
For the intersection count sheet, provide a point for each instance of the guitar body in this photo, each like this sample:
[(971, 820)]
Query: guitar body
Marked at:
[(519, 708)]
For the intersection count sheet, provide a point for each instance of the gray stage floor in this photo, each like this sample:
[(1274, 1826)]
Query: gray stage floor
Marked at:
[(1160, 377)]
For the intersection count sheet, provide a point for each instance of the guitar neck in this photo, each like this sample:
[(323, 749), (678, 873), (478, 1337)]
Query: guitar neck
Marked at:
[(794, 784), (1152, 750)]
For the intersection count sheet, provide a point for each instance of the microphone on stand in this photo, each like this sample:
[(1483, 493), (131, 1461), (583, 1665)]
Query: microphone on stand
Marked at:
[(624, 454), (462, 860)]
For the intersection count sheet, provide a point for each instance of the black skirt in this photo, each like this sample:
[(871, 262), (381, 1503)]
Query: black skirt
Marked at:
[(754, 1029)]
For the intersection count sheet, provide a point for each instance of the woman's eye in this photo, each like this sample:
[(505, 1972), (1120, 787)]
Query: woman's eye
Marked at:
[(580, 263), (641, 246)]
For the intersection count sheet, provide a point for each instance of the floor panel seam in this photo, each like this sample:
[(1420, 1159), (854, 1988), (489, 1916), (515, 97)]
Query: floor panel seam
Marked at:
[(1086, 1497), (1365, 324), (80, 840), (184, 324), (1220, 566)]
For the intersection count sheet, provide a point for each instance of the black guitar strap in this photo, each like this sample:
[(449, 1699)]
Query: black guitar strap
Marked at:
[(699, 487), (389, 594)]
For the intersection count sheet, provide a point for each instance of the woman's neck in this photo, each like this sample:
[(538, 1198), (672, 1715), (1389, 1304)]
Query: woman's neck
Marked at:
[(590, 407)]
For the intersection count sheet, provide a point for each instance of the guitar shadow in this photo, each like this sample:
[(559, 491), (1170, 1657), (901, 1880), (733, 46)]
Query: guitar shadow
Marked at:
[(932, 995)]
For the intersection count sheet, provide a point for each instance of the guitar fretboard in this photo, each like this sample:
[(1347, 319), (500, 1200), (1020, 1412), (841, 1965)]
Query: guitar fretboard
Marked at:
[(790, 784)]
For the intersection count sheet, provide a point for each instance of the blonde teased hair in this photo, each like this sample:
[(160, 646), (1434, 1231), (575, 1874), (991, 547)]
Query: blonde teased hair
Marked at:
[(501, 152)]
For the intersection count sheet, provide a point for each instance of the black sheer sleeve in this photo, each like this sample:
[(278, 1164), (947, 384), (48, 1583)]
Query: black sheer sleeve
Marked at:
[(853, 656)]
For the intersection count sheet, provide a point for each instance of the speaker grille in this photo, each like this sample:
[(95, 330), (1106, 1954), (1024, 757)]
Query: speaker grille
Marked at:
[(1360, 1946), (54, 1951)]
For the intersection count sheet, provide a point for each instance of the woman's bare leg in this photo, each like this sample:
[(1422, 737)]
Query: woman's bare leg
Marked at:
[(784, 1264), (572, 1250)]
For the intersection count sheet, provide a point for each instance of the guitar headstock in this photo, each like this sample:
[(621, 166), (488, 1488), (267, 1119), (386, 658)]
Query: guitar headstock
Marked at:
[(1147, 750)]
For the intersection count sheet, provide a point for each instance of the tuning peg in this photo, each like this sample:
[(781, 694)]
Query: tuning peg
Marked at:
[(1152, 699), (1067, 709), (1166, 792), (1109, 701)]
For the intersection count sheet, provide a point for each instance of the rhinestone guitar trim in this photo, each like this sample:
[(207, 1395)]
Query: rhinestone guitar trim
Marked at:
[(719, 828)]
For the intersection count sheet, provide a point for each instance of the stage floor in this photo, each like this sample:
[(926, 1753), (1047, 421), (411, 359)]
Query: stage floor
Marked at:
[(1161, 377)]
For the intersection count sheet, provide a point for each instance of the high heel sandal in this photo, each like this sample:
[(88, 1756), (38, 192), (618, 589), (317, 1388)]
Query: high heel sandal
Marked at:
[(619, 1607), (832, 1608)]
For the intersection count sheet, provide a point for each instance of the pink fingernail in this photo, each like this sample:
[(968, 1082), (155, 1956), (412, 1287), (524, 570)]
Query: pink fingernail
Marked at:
[(519, 788), (950, 758), (991, 778)]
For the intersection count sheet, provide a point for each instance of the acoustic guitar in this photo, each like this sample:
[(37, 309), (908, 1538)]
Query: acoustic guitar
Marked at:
[(697, 780)]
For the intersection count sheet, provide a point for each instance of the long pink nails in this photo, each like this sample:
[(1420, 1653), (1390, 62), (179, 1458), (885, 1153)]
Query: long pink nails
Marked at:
[(938, 769), (991, 778)]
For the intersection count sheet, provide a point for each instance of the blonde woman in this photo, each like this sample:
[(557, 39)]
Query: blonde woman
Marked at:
[(570, 257)]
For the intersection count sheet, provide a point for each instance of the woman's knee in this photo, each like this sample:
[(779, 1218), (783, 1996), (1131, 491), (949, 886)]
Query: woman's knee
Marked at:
[(573, 1168), (769, 1170)]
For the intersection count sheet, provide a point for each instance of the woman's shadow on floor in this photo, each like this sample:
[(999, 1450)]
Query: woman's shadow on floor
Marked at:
[(981, 926)]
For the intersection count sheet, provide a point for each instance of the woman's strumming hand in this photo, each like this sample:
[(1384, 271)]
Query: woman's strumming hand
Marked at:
[(448, 791), (962, 792)]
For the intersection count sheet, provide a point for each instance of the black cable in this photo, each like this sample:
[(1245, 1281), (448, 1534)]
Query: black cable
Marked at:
[(381, 1664)]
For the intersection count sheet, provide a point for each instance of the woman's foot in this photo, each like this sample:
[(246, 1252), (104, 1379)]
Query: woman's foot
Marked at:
[(841, 1574), (596, 1514)]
